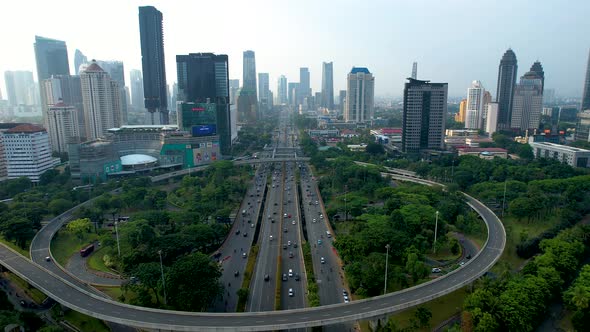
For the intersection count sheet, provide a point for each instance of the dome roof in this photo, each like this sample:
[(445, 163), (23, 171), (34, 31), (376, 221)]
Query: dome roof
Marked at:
[(137, 159)]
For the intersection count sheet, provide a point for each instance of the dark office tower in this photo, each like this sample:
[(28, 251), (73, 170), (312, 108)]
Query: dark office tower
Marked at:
[(293, 89), (79, 59), (423, 121), (505, 90), (249, 72), (304, 85), (282, 90), (328, 85), (52, 58), (538, 69), (152, 62), (136, 83), (203, 78), (586, 92)]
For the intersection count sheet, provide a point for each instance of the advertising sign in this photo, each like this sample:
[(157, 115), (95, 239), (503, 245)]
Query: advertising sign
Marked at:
[(205, 153), (204, 130)]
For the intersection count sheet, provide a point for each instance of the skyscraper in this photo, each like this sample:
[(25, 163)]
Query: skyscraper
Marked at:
[(505, 91), (460, 117), (116, 71), (342, 100), (249, 71), (63, 123), (474, 113), (282, 95), (586, 92), (528, 102), (360, 95), (425, 107), (203, 78), (136, 83), (234, 86), (264, 99), (538, 69), (492, 118), (79, 59), (20, 87), (153, 66), (98, 97), (328, 85), (66, 89), (415, 70), (304, 84), (292, 91)]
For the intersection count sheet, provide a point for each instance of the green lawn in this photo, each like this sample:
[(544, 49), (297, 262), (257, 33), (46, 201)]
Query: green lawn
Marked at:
[(95, 262), (515, 230), (444, 253), (85, 323), (441, 308), (24, 252), (64, 245), (31, 291)]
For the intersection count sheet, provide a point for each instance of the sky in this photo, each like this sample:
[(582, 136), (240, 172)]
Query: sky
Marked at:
[(453, 41)]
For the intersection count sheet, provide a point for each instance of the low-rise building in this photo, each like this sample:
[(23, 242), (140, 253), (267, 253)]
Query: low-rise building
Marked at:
[(484, 153), (566, 154)]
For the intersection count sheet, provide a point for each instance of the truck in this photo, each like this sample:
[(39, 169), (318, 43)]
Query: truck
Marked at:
[(87, 250)]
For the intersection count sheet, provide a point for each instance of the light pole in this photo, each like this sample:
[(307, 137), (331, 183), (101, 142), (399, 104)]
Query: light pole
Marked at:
[(117, 233), (435, 231), (386, 263), (504, 199), (162, 270), (345, 210)]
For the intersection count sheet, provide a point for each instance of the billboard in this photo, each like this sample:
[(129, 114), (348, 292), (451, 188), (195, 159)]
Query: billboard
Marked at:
[(204, 153), (112, 167), (204, 130)]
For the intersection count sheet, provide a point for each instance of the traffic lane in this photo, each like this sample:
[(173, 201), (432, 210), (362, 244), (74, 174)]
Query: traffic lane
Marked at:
[(291, 263)]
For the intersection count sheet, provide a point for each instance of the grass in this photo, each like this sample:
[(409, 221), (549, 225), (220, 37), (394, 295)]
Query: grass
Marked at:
[(113, 292), (313, 298), (85, 323), (18, 249), (95, 262), (444, 253), (31, 291), (64, 245), (248, 276), (279, 279), (441, 308)]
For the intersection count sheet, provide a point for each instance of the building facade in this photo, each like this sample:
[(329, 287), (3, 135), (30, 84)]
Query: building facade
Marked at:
[(583, 126), (328, 85), (65, 89), (360, 95), (491, 118), (136, 84), (304, 85), (528, 102), (234, 87), (264, 94), (460, 116), (28, 152), (203, 78), (475, 104), (20, 88), (586, 92), (282, 95), (425, 108), (79, 60), (63, 125), (153, 66), (505, 90), (249, 71), (98, 96), (566, 154)]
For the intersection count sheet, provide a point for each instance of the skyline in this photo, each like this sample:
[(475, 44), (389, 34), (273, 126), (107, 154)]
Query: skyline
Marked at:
[(461, 50)]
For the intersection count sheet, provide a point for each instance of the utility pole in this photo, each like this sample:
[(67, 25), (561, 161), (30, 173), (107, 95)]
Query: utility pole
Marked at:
[(117, 233), (435, 231), (504, 199), (163, 282), (386, 263)]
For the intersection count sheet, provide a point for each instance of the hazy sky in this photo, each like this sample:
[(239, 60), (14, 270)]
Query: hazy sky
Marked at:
[(453, 41)]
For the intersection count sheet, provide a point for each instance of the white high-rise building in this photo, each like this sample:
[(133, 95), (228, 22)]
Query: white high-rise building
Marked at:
[(492, 118), (28, 152), (63, 124), (475, 102), (99, 96), (360, 96)]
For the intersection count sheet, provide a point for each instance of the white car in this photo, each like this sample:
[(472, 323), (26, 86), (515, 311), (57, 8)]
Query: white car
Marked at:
[(291, 292), (436, 270), (293, 222), (314, 220), (322, 260), (289, 243), (290, 272)]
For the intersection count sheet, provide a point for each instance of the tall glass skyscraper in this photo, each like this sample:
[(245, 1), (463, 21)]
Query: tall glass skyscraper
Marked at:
[(153, 67), (328, 85), (505, 90), (249, 71), (51, 56), (586, 92), (282, 95)]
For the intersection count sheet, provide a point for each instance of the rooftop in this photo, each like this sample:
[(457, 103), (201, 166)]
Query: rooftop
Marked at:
[(363, 70), (25, 128), (482, 150), (560, 147), (137, 159)]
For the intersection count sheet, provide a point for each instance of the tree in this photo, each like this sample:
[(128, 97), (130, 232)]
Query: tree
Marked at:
[(150, 277), (59, 205), (192, 282), (375, 149), (18, 230), (423, 315), (79, 227)]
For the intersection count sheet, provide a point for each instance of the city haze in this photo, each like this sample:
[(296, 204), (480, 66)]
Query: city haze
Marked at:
[(452, 41)]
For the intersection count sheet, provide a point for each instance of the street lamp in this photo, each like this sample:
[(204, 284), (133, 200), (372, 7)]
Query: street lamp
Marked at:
[(386, 263), (504, 199), (162, 270), (435, 231), (117, 233)]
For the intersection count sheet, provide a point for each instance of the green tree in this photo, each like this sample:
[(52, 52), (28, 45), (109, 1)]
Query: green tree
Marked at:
[(423, 316), (79, 227), (150, 277), (59, 205), (18, 230), (192, 282)]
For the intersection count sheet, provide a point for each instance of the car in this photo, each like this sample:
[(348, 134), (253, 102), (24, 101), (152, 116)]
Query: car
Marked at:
[(272, 221), (317, 203), (462, 263), (322, 260), (244, 255), (344, 292), (246, 233), (290, 272), (291, 292), (48, 259), (346, 300), (285, 230), (276, 203), (314, 220), (321, 216), (468, 256), (319, 241), (291, 254), (289, 243), (238, 232), (285, 215), (436, 270), (271, 237), (266, 277), (294, 244), (289, 215), (285, 277), (236, 273), (297, 277), (284, 246), (251, 225), (293, 222)]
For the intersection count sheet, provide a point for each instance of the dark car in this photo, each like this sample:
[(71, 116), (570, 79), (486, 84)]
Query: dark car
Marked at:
[(297, 277), (266, 277), (245, 234), (285, 277), (238, 232), (236, 273)]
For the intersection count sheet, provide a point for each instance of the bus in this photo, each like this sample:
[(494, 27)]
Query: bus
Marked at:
[(87, 250)]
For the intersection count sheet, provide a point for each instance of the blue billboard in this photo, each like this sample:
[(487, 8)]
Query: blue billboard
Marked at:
[(204, 130)]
